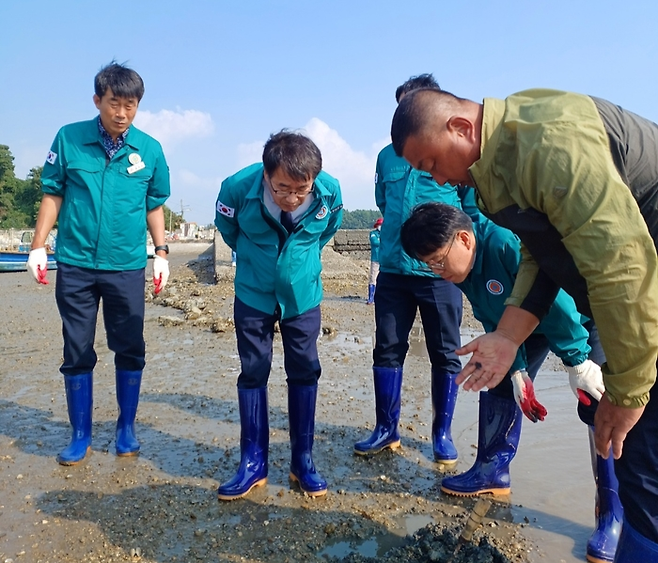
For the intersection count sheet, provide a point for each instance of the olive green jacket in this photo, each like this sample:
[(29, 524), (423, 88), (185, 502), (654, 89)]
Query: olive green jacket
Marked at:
[(549, 151)]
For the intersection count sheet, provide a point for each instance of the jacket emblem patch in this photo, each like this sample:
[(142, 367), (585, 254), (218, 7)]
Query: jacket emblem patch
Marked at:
[(322, 213), (51, 157), (495, 287)]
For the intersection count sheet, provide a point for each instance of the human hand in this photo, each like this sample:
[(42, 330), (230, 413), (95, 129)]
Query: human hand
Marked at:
[(524, 395), (492, 358), (586, 379), (611, 424), (160, 273), (37, 265)]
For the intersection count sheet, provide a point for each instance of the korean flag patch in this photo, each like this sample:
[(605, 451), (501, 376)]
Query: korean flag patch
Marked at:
[(51, 158), (225, 209)]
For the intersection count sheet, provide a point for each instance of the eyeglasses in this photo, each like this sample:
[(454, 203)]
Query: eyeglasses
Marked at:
[(286, 193), (440, 265)]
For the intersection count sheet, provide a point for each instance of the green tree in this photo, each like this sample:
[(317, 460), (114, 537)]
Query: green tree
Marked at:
[(8, 187), (172, 219), (359, 218), (28, 197)]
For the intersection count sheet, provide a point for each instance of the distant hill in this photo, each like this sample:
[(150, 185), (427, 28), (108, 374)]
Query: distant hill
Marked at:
[(359, 218)]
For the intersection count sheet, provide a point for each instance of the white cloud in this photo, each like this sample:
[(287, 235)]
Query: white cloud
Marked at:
[(248, 153), (355, 170), (169, 127), (193, 194)]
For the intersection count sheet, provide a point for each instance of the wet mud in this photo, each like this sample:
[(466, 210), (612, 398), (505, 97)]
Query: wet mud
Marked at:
[(162, 506)]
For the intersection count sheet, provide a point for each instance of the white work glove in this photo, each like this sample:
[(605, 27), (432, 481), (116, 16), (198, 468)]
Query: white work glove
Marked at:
[(160, 273), (586, 379), (37, 265), (524, 395)]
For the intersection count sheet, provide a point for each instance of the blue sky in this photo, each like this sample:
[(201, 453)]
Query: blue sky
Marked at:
[(222, 75)]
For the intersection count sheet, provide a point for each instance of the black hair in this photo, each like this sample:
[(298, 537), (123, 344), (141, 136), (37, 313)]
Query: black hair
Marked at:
[(294, 153), (416, 82), (413, 113), (124, 82), (431, 226)]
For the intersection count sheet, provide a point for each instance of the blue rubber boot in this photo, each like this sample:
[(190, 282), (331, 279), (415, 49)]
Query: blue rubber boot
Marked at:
[(633, 547), (371, 294), (128, 384), (602, 544), (254, 443), (301, 411), (444, 397), (499, 431), (80, 400), (388, 388)]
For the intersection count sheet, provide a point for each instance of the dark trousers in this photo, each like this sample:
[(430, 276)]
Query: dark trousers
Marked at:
[(637, 472), (78, 294), (255, 333), (397, 298)]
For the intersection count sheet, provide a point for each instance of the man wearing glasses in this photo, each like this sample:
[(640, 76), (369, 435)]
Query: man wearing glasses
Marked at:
[(483, 260), (278, 215)]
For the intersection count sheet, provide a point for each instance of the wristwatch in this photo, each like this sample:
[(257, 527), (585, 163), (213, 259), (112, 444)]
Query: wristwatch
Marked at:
[(164, 247)]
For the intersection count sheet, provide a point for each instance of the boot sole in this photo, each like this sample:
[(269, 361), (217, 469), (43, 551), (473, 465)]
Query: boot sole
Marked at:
[(67, 463), (495, 492), (391, 446), (447, 462), (593, 559), (128, 454), (242, 495), (309, 493)]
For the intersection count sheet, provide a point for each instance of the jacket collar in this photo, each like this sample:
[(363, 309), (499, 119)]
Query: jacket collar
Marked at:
[(91, 135), (492, 123)]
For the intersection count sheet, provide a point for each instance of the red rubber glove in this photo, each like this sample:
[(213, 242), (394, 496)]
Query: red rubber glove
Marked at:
[(524, 395)]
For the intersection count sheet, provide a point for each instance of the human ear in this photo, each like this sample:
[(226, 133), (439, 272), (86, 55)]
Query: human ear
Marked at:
[(467, 239), (462, 126), (97, 101)]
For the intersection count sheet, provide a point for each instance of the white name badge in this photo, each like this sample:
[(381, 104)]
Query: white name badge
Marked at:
[(135, 167)]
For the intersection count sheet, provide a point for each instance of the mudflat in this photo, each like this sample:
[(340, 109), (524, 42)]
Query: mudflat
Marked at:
[(162, 507)]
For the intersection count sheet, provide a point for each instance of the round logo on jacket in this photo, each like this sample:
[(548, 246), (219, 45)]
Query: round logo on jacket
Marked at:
[(322, 213), (495, 287)]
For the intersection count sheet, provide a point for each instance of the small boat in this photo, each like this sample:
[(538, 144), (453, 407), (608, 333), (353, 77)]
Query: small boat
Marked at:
[(15, 259)]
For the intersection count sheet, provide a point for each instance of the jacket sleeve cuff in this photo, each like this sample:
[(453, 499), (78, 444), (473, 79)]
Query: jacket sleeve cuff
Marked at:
[(629, 389)]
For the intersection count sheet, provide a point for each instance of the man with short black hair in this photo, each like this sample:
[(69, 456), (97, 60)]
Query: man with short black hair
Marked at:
[(482, 259), (105, 181), (576, 178), (278, 215)]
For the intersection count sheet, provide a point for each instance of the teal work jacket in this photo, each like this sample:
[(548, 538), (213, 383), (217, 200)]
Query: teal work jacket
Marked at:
[(274, 268), (490, 283), (102, 221), (375, 241), (398, 189)]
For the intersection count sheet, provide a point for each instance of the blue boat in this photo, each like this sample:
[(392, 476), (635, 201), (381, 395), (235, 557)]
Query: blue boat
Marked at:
[(16, 260)]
